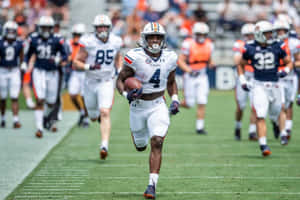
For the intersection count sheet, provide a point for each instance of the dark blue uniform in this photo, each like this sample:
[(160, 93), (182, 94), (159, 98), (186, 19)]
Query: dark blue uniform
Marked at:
[(46, 51), (10, 52), (265, 60)]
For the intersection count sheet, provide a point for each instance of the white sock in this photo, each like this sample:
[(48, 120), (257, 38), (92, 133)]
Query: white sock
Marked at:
[(3, 117), (262, 140), (30, 102), (39, 119), (82, 112), (104, 144), (238, 124), (200, 124), (15, 118), (153, 179), (252, 128), (288, 124), (283, 133)]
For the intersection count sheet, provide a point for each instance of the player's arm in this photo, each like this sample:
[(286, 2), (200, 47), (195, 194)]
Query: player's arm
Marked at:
[(182, 63), (80, 59), (125, 73), (173, 93), (288, 62), (240, 70), (118, 61), (297, 60)]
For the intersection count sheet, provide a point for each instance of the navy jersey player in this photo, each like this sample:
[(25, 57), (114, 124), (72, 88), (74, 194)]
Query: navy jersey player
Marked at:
[(44, 46), (265, 54), (11, 56)]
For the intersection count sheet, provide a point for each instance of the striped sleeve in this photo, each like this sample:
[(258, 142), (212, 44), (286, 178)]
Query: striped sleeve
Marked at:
[(129, 59)]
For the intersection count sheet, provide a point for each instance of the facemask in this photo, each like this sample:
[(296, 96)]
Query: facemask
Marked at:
[(102, 35)]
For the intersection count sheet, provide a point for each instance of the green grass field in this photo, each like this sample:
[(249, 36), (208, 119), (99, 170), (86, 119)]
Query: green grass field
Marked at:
[(213, 167)]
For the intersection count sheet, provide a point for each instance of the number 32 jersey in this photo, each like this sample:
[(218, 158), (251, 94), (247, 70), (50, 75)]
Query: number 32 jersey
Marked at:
[(265, 60), (153, 73), (102, 54)]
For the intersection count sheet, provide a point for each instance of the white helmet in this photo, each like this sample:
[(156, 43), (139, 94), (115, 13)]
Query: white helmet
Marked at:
[(200, 28), (78, 29), (278, 25), (10, 30), (247, 29), (261, 28), (102, 20), (46, 24), (153, 28)]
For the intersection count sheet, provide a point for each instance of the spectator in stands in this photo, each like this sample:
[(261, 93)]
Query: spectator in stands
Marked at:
[(252, 9), (118, 23), (171, 21), (60, 10), (134, 25), (228, 16), (200, 14), (128, 6), (178, 6), (4, 5), (36, 10), (159, 8), (281, 6)]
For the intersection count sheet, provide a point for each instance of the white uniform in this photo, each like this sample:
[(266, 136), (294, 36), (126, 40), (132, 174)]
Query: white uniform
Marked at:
[(10, 82), (196, 88), (289, 84), (150, 118), (99, 84)]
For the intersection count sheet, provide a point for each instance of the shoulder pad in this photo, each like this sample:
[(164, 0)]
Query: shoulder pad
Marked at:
[(250, 42), (34, 34), (137, 49)]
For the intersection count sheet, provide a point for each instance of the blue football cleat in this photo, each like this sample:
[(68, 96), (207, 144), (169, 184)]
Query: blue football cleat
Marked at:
[(150, 192)]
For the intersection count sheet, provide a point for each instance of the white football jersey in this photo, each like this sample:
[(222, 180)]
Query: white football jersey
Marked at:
[(153, 73), (294, 47), (101, 53)]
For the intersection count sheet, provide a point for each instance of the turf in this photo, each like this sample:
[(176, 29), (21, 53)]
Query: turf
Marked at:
[(194, 167)]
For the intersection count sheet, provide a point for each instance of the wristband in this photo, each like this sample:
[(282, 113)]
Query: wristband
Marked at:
[(175, 97), (124, 93), (287, 70), (86, 66)]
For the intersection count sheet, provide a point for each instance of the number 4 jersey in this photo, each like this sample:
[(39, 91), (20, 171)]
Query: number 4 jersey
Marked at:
[(101, 53), (153, 73), (265, 60), (10, 52)]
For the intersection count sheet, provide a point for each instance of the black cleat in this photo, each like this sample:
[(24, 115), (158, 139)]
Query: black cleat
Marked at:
[(150, 192), (284, 140), (237, 134), (3, 124), (253, 136), (80, 121), (289, 132), (265, 150), (201, 132), (276, 130), (103, 153)]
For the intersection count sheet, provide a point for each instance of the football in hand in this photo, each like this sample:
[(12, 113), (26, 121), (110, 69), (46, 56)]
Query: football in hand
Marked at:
[(132, 83)]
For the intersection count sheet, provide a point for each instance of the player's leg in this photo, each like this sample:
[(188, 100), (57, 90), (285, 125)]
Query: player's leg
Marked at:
[(202, 91), (276, 112), (3, 95), (74, 90), (289, 111), (252, 126), (261, 105), (52, 88), (241, 101), (39, 85), (188, 91), (158, 123), (14, 90), (85, 123), (105, 93), (27, 90)]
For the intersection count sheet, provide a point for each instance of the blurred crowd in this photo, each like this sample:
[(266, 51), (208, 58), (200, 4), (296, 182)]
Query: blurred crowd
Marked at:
[(27, 12), (178, 16)]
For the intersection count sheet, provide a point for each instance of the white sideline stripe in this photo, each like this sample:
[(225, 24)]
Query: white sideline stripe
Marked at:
[(60, 175), (203, 177), (176, 193), (46, 183), (51, 186), (194, 155), (43, 189)]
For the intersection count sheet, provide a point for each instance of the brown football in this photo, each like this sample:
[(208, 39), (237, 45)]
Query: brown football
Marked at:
[(132, 83)]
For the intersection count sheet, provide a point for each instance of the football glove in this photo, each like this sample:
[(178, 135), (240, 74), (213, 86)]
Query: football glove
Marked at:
[(174, 108), (283, 73), (134, 94), (92, 67), (194, 73), (244, 83)]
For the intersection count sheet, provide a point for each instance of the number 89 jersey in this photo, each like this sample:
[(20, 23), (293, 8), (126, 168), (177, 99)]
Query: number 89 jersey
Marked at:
[(101, 53), (153, 73), (265, 60)]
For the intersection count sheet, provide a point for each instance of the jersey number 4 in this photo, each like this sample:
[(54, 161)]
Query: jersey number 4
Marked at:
[(264, 61), (104, 56), (155, 79)]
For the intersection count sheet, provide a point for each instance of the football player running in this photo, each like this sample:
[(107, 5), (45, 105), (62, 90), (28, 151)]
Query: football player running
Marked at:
[(44, 46), (265, 54), (290, 82), (154, 66), (11, 57), (100, 56), (76, 82), (194, 59), (242, 96)]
